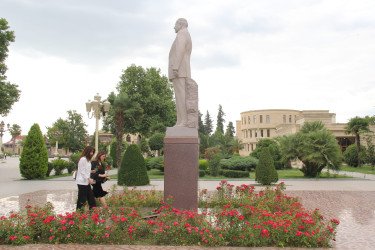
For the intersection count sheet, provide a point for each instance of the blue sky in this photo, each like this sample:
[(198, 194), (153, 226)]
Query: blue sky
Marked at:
[(247, 55)]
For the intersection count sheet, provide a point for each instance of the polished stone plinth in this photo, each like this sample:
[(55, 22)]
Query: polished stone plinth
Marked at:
[(181, 153)]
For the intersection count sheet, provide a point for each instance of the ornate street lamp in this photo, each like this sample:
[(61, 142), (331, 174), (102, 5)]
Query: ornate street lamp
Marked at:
[(96, 108), (2, 131)]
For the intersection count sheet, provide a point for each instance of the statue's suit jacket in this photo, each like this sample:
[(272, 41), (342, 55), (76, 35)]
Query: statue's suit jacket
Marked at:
[(179, 56)]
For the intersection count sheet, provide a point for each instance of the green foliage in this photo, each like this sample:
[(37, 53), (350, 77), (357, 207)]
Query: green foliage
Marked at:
[(70, 166), (58, 165), (265, 172), (351, 155), (273, 148), (235, 173), (316, 147), (230, 130), (202, 173), (75, 158), (49, 169), (156, 163), (113, 151), (156, 141), (203, 164), (133, 171), (370, 137), (145, 148), (34, 157), (154, 94), (214, 164), (239, 163), (357, 126), (9, 93)]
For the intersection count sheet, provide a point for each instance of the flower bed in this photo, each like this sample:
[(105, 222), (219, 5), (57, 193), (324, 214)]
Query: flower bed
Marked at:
[(231, 216)]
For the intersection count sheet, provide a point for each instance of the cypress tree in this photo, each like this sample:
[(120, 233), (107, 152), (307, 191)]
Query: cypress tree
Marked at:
[(265, 172), (34, 156), (133, 171)]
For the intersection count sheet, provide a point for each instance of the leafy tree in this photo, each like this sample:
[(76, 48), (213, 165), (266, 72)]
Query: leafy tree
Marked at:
[(214, 164), (34, 156), (225, 142), (273, 148), (357, 126), (208, 124), (15, 131), (351, 155), (158, 128), (220, 120), (265, 172), (153, 92), (314, 146), (370, 149), (113, 151), (70, 133), (102, 146), (9, 93), (156, 142), (230, 130), (145, 148), (133, 171)]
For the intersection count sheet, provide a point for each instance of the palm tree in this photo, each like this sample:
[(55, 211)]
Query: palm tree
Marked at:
[(237, 145), (126, 112), (15, 131), (357, 126)]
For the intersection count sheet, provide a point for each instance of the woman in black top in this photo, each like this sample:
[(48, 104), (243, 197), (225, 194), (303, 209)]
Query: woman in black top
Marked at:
[(100, 177)]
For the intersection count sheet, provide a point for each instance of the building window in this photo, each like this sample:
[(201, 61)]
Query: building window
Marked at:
[(244, 119), (251, 133), (246, 134), (249, 119), (284, 118), (255, 119), (128, 138), (261, 133), (268, 118), (261, 119), (295, 119), (290, 118), (268, 133), (252, 148), (256, 133), (248, 147)]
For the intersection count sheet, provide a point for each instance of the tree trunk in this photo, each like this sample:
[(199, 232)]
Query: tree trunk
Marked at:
[(119, 133), (358, 149)]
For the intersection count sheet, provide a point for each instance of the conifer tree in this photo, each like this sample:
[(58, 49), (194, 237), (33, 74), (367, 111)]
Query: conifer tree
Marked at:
[(208, 124), (34, 156), (220, 120), (265, 172), (133, 171)]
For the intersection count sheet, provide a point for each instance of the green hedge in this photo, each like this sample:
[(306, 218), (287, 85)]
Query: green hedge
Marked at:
[(202, 173), (203, 164), (235, 173), (239, 163), (156, 163)]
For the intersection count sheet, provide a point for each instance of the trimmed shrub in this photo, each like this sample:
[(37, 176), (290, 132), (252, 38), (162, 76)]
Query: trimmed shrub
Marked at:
[(265, 172), (351, 154), (147, 163), (34, 157), (157, 163), (202, 173), (235, 173), (133, 171), (203, 164), (156, 142), (75, 158), (239, 163), (214, 164)]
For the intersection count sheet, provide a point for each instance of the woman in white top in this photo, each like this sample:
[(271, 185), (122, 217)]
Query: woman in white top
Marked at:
[(83, 179)]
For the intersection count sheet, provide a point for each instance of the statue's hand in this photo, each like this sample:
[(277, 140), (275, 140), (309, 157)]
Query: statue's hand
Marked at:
[(175, 72)]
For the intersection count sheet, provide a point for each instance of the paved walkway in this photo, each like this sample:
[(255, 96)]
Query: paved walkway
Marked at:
[(351, 201)]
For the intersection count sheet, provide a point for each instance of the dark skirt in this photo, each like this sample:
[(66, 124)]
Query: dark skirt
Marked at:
[(98, 190)]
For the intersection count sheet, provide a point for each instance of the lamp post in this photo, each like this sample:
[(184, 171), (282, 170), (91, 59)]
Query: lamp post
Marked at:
[(57, 136), (96, 107), (2, 130)]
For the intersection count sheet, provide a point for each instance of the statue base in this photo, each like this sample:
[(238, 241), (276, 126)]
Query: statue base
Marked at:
[(181, 160)]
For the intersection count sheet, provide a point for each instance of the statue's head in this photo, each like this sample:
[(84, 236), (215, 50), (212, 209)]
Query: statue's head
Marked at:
[(180, 23)]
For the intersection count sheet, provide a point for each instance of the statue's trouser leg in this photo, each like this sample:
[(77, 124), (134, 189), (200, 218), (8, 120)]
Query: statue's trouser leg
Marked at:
[(180, 94)]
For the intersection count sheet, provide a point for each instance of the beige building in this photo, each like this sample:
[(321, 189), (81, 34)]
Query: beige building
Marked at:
[(271, 123)]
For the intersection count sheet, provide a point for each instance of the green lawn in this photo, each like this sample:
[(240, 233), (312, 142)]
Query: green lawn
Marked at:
[(283, 174), (365, 169)]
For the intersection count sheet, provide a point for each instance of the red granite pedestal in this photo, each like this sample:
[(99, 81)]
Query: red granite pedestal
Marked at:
[(181, 159)]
